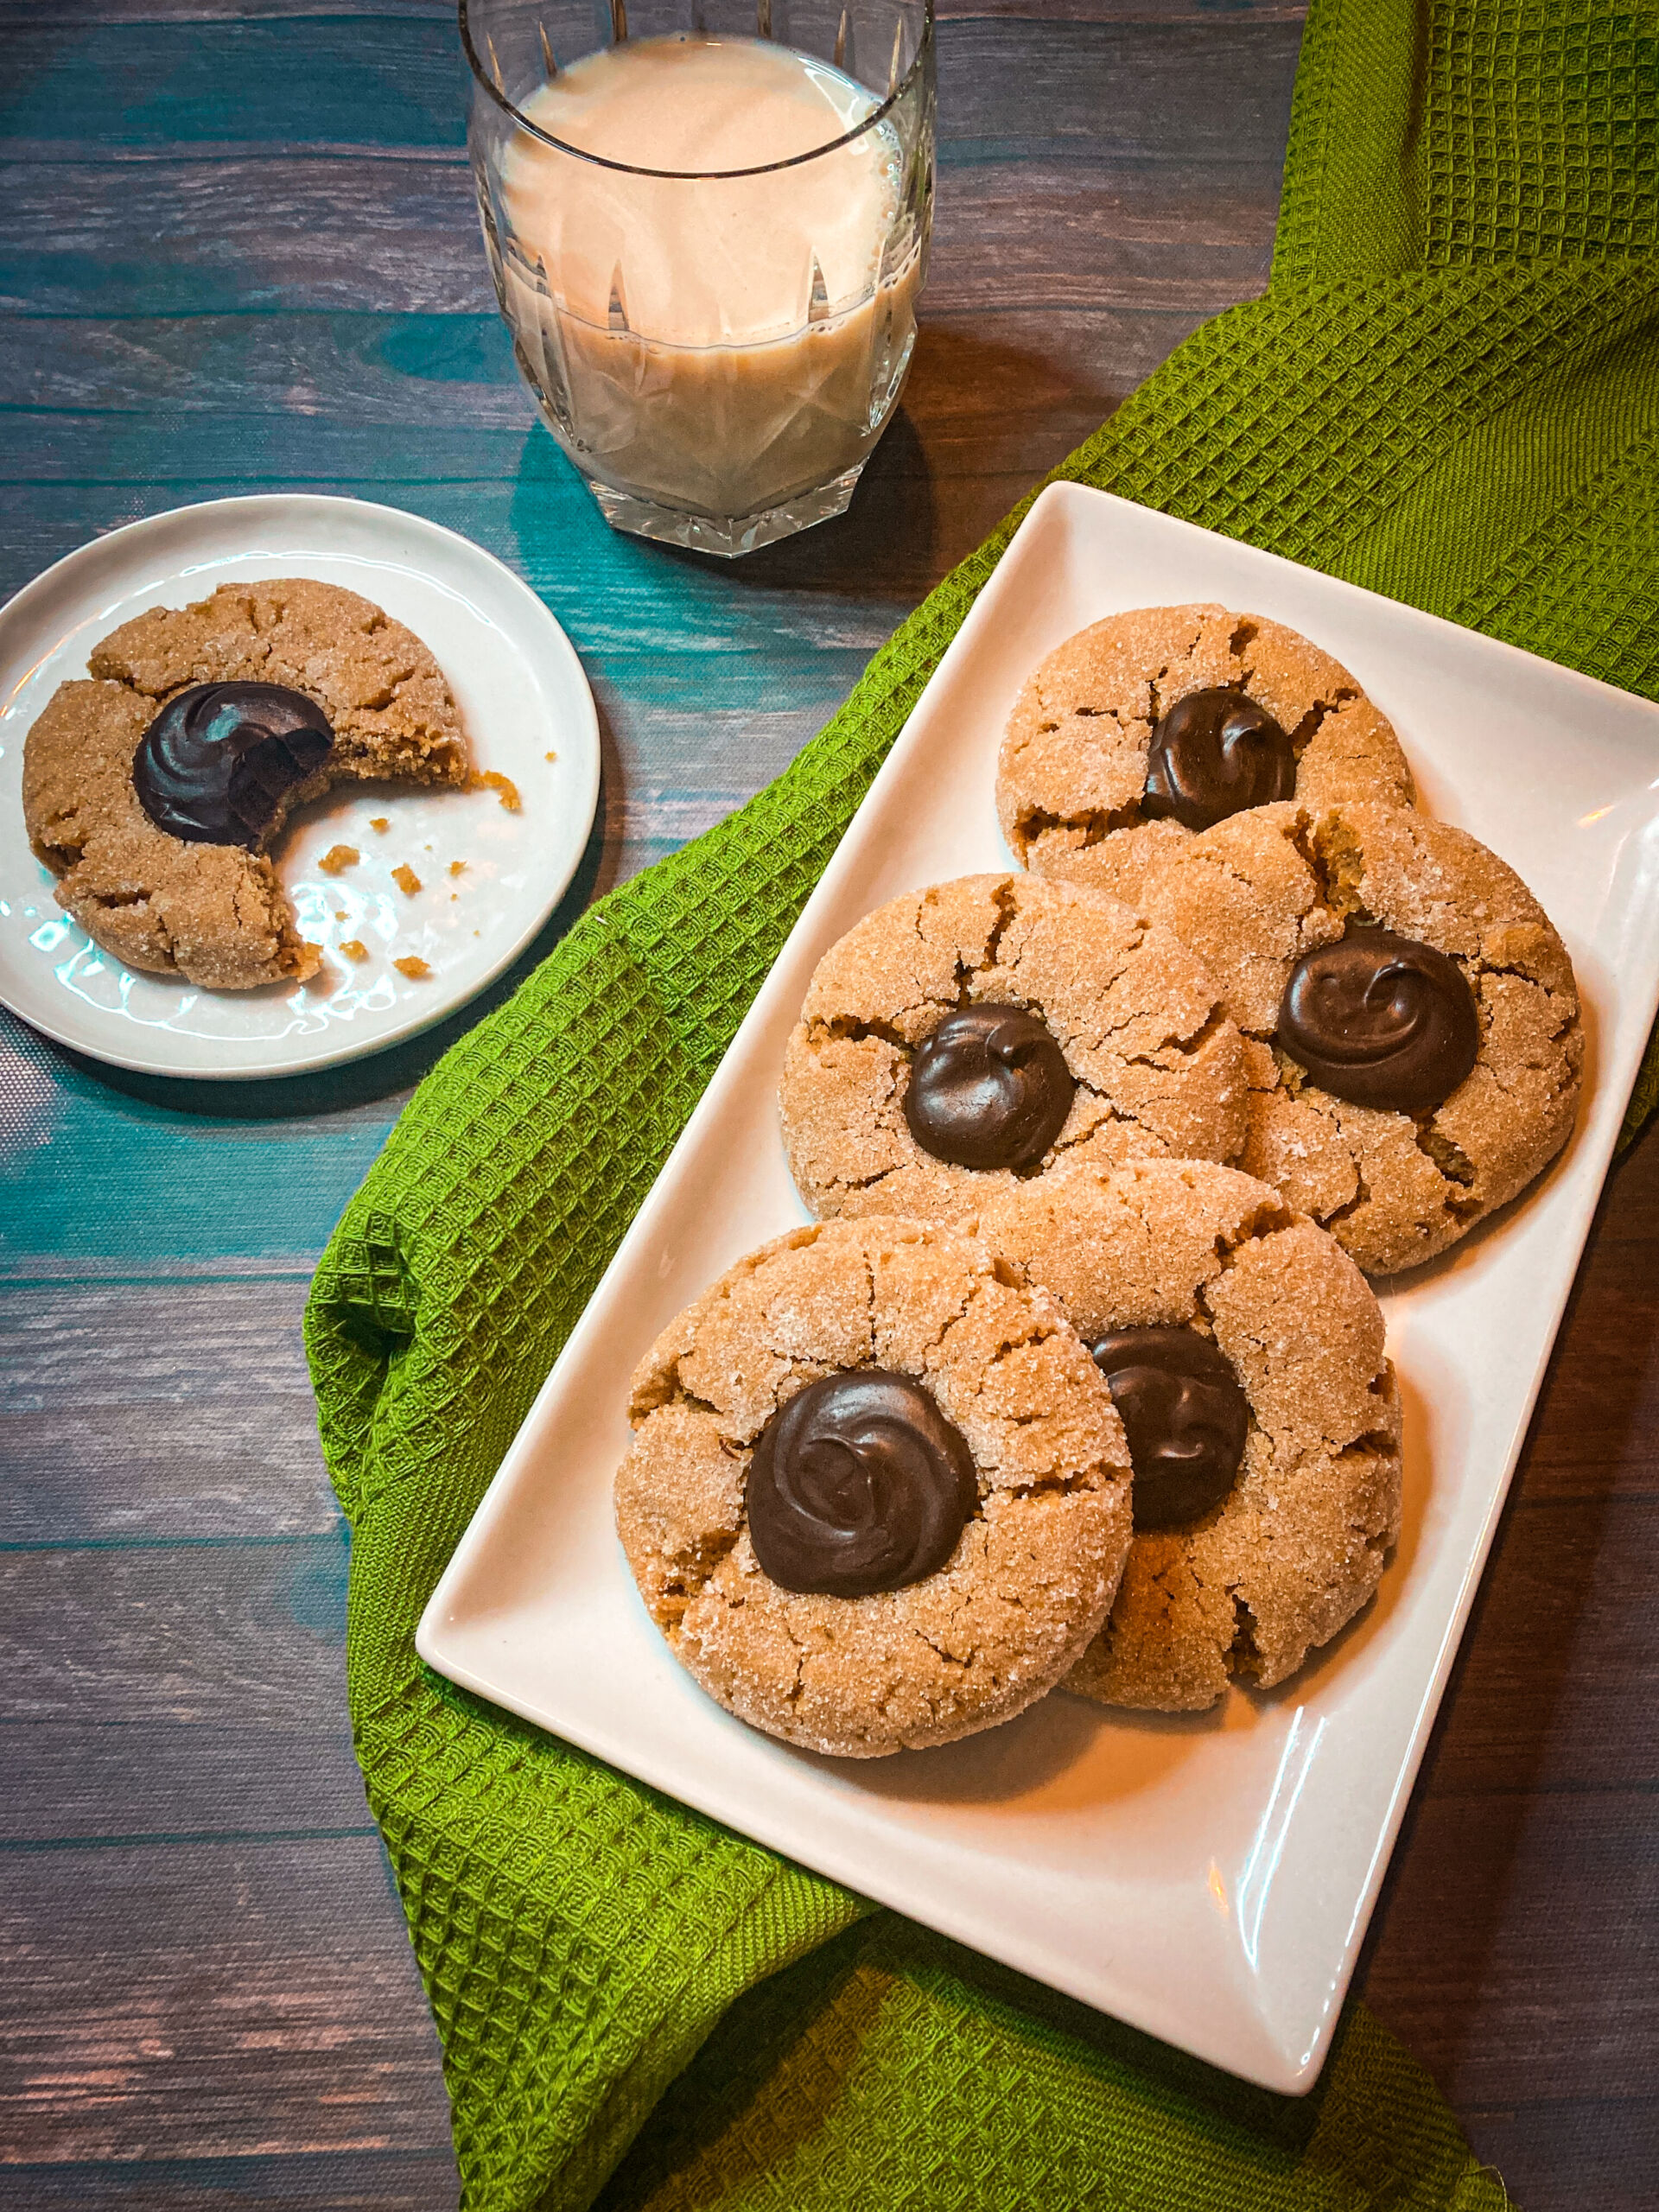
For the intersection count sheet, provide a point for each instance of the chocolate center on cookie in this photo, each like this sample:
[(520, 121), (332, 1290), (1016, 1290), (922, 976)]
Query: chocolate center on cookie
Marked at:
[(1215, 754), (859, 1483), (1381, 1021), (218, 762), (988, 1089), (1185, 1415)]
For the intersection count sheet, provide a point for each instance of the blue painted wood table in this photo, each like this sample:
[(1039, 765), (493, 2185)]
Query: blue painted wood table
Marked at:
[(240, 252)]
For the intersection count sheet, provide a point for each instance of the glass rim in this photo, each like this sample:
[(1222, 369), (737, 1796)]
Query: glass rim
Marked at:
[(487, 84)]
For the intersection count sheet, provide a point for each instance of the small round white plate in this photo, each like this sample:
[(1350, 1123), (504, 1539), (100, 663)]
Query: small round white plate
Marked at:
[(489, 877)]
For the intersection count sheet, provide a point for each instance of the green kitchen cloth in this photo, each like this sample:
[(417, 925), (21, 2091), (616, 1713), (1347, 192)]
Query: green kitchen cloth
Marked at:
[(1451, 394)]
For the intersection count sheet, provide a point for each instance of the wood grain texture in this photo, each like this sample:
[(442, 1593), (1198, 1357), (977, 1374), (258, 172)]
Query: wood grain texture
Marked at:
[(325, 2180), (159, 1411), (242, 232), (205, 1999), (243, 253), (1514, 1948), (205, 1636), (71, 1780)]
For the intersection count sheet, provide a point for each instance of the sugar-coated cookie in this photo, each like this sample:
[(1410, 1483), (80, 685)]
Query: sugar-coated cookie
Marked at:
[(983, 1031), (1245, 1353), (878, 1496), (1143, 729), (1414, 1048), (153, 789)]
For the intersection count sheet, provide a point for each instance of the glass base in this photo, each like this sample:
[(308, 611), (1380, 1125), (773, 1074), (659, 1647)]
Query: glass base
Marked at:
[(726, 535)]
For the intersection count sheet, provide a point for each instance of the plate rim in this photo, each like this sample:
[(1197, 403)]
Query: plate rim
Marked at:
[(1283, 2073), (131, 1057)]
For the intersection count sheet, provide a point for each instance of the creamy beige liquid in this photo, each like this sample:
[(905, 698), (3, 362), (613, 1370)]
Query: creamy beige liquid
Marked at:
[(718, 341)]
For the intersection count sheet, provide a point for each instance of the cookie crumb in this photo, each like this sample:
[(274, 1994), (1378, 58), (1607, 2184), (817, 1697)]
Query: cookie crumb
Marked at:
[(338, 857), (405, 879), (489, 780), (457, 867), (381, 821), (355, 949), (411, 967), (549, 756), (340, 915)]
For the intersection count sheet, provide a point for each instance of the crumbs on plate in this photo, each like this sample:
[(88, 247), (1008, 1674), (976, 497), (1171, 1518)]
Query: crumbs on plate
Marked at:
[(338, 856), (409, 966), (405, 879), (355, 949), (490, 780)]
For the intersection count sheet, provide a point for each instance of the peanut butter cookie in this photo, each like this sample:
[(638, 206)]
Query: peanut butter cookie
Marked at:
[(878, 1496), (1244, 1352), (1413, 1023), (978, 1032), (154, 789), (1140, 731)]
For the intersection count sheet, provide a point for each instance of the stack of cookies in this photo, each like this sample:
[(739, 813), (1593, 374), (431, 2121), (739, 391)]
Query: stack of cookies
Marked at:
[(1078, 1378)]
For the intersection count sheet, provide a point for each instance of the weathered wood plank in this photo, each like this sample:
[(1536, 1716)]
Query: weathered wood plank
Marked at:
[(452, 372), (154, 235), (94, 1781), (1556, 2156), (379, 370), (1595, 1433), (208, 1999), (296, 82), (1518, 1956), (235, 1635), (164, 1183), (78, 13), (84, 14), (1006, 378), (364, 2181), (1180, 91), (162, 1411), (1561, 1670)]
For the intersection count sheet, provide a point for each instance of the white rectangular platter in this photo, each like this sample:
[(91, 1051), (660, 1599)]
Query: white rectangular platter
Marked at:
[(1208, 1878)]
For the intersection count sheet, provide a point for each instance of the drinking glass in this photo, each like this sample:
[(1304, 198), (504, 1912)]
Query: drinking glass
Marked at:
[(718, 349)]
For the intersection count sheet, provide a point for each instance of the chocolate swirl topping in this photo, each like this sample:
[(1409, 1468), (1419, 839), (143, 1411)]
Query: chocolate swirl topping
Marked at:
[(989, 1088), (1185, 1415), (1215, 754), (218, 762), (1381, 1021), (859, 1483)]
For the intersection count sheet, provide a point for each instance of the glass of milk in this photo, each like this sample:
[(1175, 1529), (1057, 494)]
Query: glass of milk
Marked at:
[(708, 226)]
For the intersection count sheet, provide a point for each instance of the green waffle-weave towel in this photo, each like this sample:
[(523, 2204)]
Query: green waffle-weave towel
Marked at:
[(1451, 394)]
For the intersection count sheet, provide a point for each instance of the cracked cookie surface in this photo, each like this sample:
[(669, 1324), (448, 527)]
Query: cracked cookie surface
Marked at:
[(1159, 1067), (217, 914), (1072, 771), (1255, 893), (1034, 1572), (1299, 1543)]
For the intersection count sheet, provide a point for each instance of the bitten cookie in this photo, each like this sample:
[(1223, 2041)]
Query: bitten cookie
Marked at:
[(1414, 1023), (980, 1032), (1244, 1353), (878, 1496), (153, 789), (1140, 731)]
